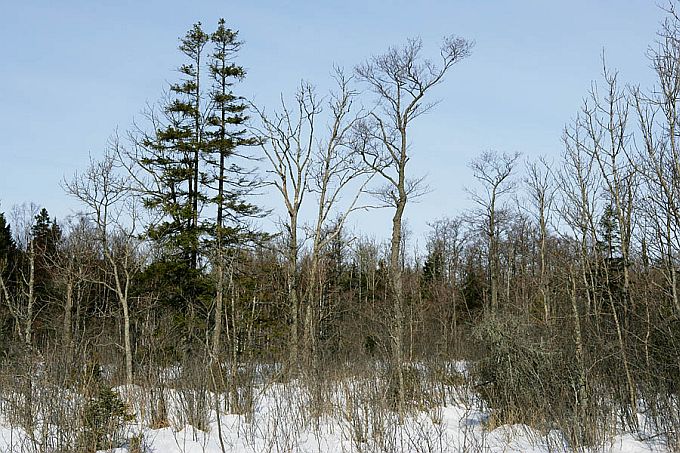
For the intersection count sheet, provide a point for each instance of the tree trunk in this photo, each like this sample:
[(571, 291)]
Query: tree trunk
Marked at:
[(582, 384), (128, 346), (68, 308), (397, 295), (219, 308), (28, 331)]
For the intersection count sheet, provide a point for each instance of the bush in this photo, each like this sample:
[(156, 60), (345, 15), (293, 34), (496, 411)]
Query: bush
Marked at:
[(416, 394), (522, 378), (104, 416)]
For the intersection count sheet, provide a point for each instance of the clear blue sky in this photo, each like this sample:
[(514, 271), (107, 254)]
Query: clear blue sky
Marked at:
[(72, 72)]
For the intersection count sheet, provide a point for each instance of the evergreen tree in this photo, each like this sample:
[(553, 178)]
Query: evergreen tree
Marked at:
[(434, 267), (8, 256), (609, 232), (173, 157), (7, 244), (45, 237), (7, 266), (200, 188), (45, 234), (227, 132), (191, 155)]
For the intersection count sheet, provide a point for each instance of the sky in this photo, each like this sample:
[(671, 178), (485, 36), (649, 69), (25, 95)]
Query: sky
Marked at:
[(73, 72)]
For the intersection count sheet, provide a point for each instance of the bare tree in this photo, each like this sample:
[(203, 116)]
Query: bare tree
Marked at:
[(74, 267), (105, 192), (400, 79), (541, 186), (445, 244), (335, 172), (304, 160), (288, 146), (493, 171), (601, 133), (659, 162)]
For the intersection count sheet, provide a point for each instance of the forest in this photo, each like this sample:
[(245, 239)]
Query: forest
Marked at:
[(553, 303)]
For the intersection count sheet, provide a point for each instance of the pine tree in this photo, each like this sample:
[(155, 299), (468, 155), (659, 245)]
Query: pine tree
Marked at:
[(7, 267), (191, 154), (434, 269), (609, 232), (8, 258), (46, 234), (200, 189), (229, 181)]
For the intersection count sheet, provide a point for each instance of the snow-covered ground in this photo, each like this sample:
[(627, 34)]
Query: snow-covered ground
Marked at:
[(282, 422), (458, 431)]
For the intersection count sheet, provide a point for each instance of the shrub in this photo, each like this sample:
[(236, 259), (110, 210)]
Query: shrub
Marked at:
[(104, 416), (522, 377)]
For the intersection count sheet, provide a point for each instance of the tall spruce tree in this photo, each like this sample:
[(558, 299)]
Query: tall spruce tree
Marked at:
[(609, 234), (8, 256), (173, 156), (45, 237), (200, 190), (190, 154), (229, 180)]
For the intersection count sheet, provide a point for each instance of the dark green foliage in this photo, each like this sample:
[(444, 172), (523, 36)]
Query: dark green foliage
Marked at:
[(45, 238), (184, 295), (175, 284), (609, 234), (473, 288), (433, 273), (433, 269), (7, 244), (45, 234), (172, 155), (225, 133), (202, 188), (104, 415), (8, 257)]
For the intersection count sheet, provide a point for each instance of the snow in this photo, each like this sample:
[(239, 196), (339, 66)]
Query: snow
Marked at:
[(281, 423)]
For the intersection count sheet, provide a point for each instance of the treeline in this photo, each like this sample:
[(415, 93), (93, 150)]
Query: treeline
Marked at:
[(560, 286)]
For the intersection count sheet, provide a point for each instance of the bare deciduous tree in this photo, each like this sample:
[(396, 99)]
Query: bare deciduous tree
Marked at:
[(105, 193), (305, 160), (288, 140), (601, 133), (493, 171), (541, 186), (400, 79)]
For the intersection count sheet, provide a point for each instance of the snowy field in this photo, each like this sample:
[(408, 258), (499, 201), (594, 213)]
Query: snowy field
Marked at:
[(282, 420)]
